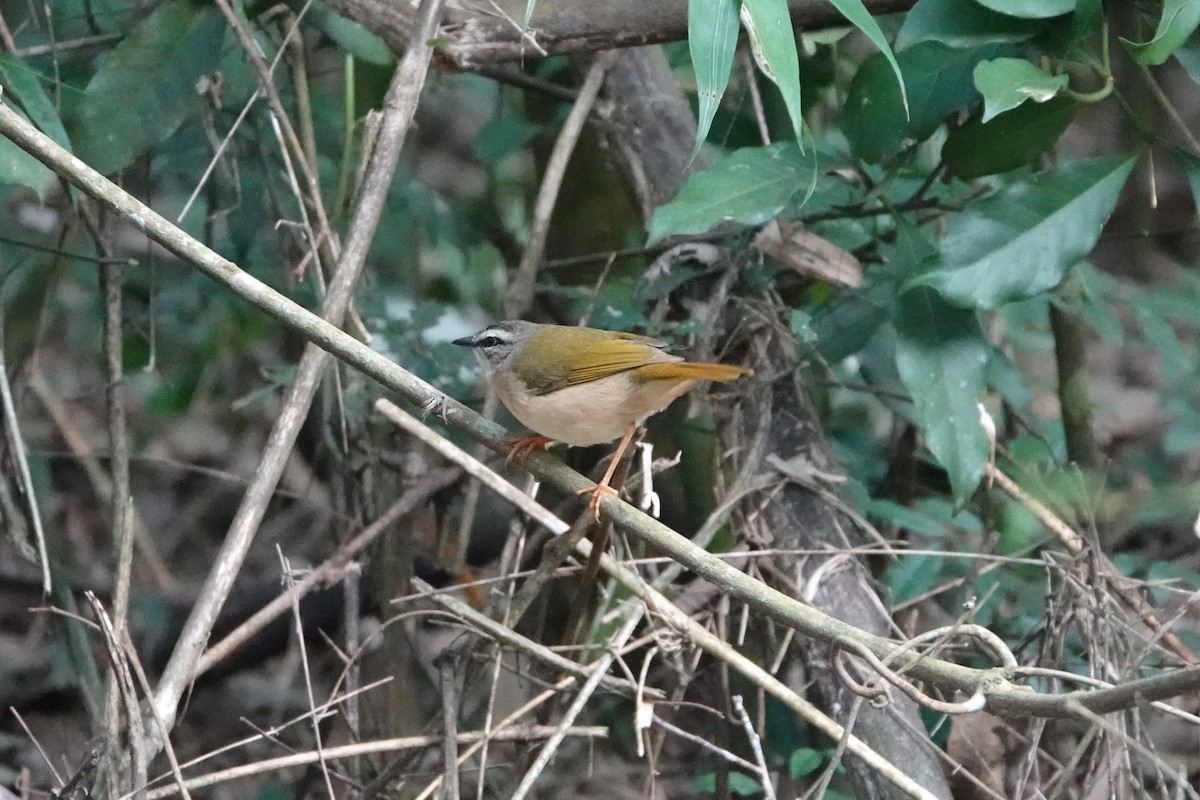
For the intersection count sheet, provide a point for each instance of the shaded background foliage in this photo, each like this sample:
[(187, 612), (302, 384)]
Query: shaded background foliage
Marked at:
[(1028, 185)]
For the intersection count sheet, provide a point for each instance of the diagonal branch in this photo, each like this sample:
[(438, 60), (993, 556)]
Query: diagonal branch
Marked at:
[(1003, 696)]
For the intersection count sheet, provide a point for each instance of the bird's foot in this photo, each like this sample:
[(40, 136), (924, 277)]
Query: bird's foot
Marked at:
[(522, 446), (597, 494)]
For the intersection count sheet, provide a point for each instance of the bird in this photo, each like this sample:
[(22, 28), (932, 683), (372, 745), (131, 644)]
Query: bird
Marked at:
[(584, 386)]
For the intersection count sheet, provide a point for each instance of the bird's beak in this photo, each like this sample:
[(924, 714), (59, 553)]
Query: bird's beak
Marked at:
[(466, 341)]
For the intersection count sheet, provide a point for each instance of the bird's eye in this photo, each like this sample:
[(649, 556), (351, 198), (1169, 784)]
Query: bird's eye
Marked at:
[(488, 342)]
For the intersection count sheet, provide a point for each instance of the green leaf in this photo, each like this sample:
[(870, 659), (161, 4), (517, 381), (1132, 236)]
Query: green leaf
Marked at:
[(1030, 9), (712, 39), (804, 761), (26, 86), (1089, 14), (911, 519), (941, 355), (773, 42), (1188, 55), (739, 784), (912, 575), (1013, 139), (961, 23), (147, 87), (1021, 240), (350, 36), (16, 166), (939, 79), (749, 186), (859, 17), (501, 137), (1006, 83), (1179, 20)]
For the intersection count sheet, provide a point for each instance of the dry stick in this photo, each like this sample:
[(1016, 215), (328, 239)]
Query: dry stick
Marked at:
[(289, 582), (1116, 581), (400, 103), (448, 672), (598, 668), (313, 186), (120, 503), (328, 571), (260, 735), (20, 459), (764, 774), (505, 635), (1003, 698), (659, 604), (520, 291), (123, 687), (131, 656), (520, 733)]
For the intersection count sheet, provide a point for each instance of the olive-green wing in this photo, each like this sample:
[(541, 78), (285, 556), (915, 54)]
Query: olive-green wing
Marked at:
[(582, 355)]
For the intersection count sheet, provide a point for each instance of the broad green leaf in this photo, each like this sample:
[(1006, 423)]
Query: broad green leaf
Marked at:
[(804, 761), (844, 324), (501, 137), (961, 23), (1179, 20), (1006, 83), (26, 86), (1021, 240), (1087, 18), (902, 516), (1013, 139), (712, 39), (859, 17), (350, 36), (739, 784), (939, 79), (912, 575), (17, 166), (773, 42), (147, 87), (749, 186), (1188, 55), (941, 355), (1030, 9)]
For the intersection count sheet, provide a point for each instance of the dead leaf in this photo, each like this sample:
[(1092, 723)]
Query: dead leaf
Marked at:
[(807, 254)]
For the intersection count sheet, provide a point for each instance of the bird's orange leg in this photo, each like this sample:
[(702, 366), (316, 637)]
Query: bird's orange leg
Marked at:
[(602, 488), (523, 446)]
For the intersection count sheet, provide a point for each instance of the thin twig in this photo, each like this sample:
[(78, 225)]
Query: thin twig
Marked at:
[(328, 569), (520, 290), (785, 610), (20, 460), (505, 635), (764, 774), (523, 733), (400, 104), (701, 636), (448, 671), (598, 669), (289, 584)]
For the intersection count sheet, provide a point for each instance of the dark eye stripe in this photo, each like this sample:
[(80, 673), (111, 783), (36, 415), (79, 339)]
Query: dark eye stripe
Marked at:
[(489, 341)]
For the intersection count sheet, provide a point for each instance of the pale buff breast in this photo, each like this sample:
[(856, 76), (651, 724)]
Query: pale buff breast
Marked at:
[(594, 412)]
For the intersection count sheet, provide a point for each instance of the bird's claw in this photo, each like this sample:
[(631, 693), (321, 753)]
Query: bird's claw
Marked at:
[(597, 492), (522, 446)]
